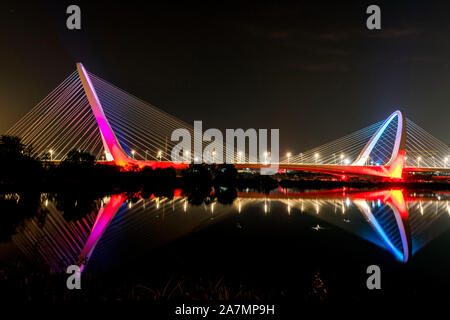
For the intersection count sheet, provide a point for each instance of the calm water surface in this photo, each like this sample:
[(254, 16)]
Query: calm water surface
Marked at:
[(280, 242)]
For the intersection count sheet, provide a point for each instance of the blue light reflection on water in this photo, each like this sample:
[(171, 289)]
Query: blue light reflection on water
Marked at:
[(147, 224)]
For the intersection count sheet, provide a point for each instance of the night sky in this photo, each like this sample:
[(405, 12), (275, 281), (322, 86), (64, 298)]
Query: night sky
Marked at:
[(310, 68)]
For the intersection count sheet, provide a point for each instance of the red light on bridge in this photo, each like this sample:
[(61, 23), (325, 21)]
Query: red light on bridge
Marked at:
[(396, 170)]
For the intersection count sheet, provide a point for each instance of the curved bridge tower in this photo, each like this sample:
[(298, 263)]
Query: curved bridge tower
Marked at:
[(113, 149), (397, 160), (393, 169)]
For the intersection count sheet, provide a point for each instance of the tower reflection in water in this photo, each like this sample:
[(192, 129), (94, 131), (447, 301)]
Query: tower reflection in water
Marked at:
[(399, 221)]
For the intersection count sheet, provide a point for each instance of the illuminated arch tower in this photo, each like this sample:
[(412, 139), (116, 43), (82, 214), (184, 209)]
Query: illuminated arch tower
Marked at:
[(399, 144), (397, 160), (113, 149)]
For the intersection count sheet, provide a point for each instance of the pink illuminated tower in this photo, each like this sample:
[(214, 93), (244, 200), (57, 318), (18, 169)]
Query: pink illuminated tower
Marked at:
[(113, 150)]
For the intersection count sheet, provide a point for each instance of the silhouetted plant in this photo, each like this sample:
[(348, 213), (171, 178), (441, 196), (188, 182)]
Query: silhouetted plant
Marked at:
[(225, 194), (18, 164), (225, 174), (78, 158), (197, 184)]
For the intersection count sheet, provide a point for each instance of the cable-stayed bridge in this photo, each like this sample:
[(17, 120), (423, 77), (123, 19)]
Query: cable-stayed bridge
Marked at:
[(87, 113)]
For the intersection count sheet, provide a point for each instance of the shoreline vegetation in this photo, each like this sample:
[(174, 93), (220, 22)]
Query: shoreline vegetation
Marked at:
[(21, 170)]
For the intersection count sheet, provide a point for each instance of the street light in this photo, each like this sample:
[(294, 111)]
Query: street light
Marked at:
[(288, 156), (406, 162), (51, 154), (186, 153), (159, 155), (213, 153), (418, 161), (132, 153), (316, 155)]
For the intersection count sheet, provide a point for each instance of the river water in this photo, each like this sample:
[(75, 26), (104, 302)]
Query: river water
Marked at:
[(282, 244)]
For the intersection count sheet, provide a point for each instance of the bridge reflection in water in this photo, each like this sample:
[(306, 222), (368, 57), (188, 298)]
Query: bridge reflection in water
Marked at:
[(399, 221)]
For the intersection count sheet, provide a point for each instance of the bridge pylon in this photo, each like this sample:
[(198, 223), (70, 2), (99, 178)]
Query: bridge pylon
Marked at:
[(397, 160)]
